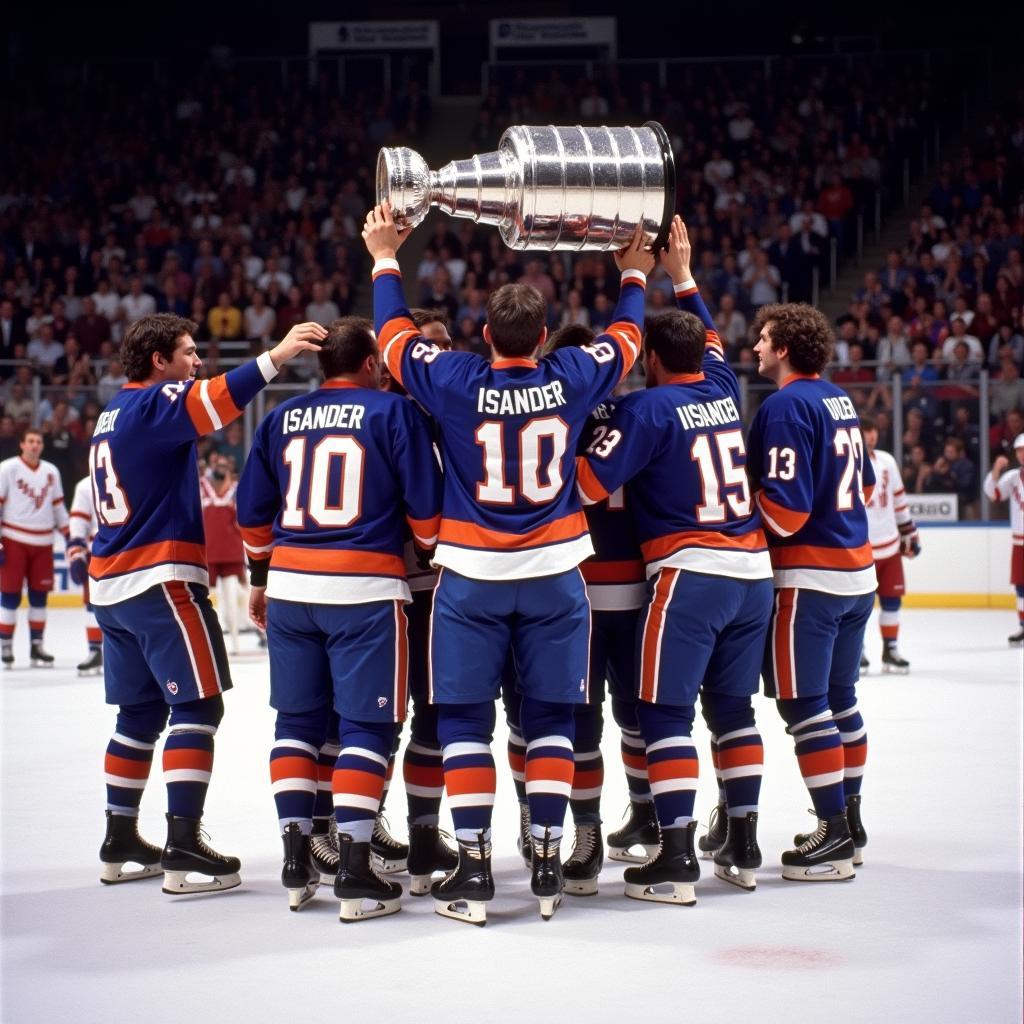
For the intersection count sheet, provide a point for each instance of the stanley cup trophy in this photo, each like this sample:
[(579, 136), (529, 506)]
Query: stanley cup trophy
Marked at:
[(546, 188)]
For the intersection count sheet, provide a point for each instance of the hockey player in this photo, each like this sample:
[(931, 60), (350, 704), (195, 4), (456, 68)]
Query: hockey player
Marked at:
[(148, 581), (332, 481), (813, 482), (224, 555), (615, 589), (679, 444), (32, 506), (893, 537), (82, 530), (512, 535), (1004, 484)]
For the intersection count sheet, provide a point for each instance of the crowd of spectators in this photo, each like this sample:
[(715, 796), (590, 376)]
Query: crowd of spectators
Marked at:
[(238, 206)]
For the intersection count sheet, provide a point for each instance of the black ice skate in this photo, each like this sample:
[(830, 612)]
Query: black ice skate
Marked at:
[(7, 654), (38, 658), (856, 825), (125, 855), (892, 662), (671, 875), (1015, 639), (740, 854), (93, 665), (323, 849), (523, 842), (580, 871), (298, 875), (391, 855), (714, 839), (428, 853), (464, 894), (546, 880), (641, 829), (186, 854), (825, 856), (359, 881)]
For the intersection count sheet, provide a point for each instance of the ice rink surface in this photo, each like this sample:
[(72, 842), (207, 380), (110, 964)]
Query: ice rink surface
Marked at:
[(930, 929)]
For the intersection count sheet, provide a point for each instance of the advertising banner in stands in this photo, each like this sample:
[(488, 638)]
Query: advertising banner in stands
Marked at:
[(373, 35), (560, 32), (934, 508)]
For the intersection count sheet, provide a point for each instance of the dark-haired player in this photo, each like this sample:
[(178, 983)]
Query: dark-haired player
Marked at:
[(680, 447), (512, 536), (148, 582), (813, 481), (331, 483)]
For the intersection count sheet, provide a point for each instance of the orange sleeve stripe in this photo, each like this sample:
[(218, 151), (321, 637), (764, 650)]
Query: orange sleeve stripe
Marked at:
[(628, 337), (425, 530), (780, 520), (257, 539), (586, 479), (210, 405), (391, 341), (333, 562), (457, 531), (386, 270), (712, 339)]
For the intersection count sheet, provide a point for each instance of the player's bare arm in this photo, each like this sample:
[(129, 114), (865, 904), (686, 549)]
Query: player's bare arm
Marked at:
[(380, 233), (301, 338)]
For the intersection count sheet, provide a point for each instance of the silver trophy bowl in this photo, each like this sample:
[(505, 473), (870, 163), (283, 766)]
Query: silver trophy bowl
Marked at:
[(546, 188)]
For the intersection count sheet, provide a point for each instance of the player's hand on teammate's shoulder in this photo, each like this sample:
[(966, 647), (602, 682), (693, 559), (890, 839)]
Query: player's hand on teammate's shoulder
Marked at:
[(380, 233), (676, 257), (301, 338), (634, 256)]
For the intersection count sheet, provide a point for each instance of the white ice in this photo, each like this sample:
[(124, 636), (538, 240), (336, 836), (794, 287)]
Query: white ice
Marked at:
[(930, 929)]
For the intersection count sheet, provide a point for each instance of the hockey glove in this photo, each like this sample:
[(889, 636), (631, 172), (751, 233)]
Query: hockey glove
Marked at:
[(910, 541), (78, 562)]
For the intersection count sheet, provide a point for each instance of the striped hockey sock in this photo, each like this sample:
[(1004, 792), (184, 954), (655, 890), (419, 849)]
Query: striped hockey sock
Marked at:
[(587, 783), (359, 779), (423, 772), (741, 764), (293, 779), (126, 767), (819, 752), (549, 775), (889, 620), (8, 616), (470, 780), (855, 747), (323, 806), (672, 768), (517, 762), (634, 761), (188, 763), (716, 764)]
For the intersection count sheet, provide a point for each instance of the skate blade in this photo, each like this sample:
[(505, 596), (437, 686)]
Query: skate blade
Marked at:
[(177, 883), (470, 911), (354, 910), (298, 898), (858, 857), (389, 867), (35, 663), (84, 673), (580, 886), (742, 878), (895, 670), (679, 893), (113, 874), (829, 871), (548, 906), (628, 854)]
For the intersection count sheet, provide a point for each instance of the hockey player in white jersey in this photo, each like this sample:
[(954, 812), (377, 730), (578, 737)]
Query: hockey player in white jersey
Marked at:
[(32, 506), (1005, 484), (82, 528), (893, 537)]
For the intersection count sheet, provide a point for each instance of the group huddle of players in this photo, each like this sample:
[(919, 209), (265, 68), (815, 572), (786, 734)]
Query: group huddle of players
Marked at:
[(434, 525)]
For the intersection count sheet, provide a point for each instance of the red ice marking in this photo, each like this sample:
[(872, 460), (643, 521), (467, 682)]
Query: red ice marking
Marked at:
[(777, 957)]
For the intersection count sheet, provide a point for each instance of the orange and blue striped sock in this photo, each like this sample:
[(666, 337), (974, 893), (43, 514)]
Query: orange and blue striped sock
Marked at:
[(360, 774)]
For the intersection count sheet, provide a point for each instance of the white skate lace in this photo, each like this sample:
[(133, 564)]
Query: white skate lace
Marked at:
[(815, 839), (382, 836), (584, 845)]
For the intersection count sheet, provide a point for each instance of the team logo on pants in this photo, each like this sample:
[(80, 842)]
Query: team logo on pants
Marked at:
[(382, 702), (172, 687)]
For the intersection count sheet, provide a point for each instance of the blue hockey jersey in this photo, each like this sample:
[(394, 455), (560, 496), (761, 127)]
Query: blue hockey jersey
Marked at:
[(145, 479), (680, 445), (509, 433), (334, 480)]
